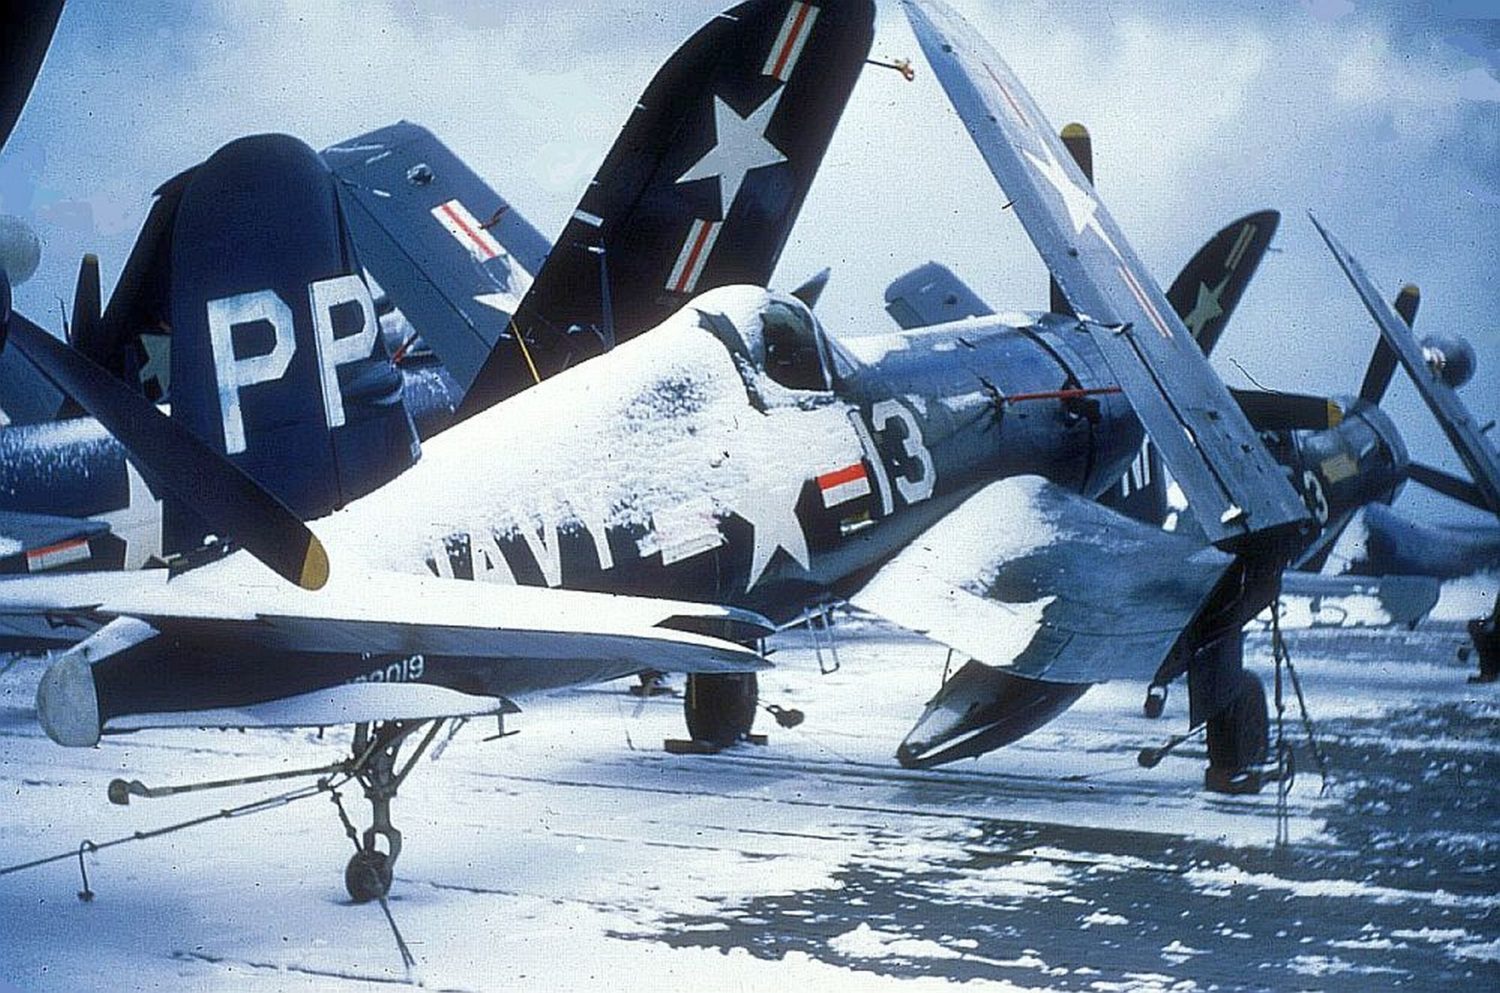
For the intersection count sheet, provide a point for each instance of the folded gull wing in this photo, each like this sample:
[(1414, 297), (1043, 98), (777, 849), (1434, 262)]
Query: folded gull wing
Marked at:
[(1464, 433), (1047, 592), (1233, 484)]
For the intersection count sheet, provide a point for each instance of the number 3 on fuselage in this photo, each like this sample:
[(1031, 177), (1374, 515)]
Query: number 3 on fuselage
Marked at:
[(897, 430)]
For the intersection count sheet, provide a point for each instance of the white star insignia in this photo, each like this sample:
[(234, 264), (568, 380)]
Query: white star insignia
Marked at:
[(138, 523), (1079, 202), (740, 145), (772, 514), (1206, 307)]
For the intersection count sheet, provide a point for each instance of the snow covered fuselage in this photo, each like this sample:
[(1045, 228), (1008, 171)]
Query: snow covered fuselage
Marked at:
[(736, 455)]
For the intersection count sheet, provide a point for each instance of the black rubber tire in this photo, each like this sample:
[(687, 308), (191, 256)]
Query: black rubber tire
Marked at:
[(1239, 735), (368, 876), (720, 707)]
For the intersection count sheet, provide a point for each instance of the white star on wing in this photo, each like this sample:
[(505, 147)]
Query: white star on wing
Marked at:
[(138, 523), (740, 145), (1079, 202), (772, 514)]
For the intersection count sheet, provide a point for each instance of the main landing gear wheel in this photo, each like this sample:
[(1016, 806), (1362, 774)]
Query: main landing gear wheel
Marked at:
[(720, 707), (1238, 740)]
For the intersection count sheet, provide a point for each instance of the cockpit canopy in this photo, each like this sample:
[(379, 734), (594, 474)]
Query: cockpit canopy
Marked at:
[(774, 334)]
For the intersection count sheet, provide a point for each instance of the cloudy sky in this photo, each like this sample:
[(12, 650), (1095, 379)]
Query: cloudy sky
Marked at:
[(1382, 117)]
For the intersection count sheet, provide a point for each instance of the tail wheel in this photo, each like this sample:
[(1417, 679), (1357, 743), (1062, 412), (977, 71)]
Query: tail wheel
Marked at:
[(720, 707), (1238, 738)]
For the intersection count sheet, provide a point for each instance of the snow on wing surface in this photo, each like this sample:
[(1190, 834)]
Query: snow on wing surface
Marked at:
[(394, 612), (1210, 447), (1036, 580)]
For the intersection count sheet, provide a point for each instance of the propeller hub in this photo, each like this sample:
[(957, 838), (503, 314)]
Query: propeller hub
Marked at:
[(1450, 359)]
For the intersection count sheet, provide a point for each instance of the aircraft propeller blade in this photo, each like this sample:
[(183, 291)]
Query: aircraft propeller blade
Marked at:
[(1447, 484), (86, 301), (1277, 411), (812, 289), (1076, 139), (1383, 362), (171, 456), (1473, 448)]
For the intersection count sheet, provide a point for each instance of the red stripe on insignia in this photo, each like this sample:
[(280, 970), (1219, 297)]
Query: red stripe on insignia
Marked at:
[(463, 226), (789, 41), (1145, 302), (855, 471), (1005, 92), (843, 485), (61, 553), (695, 250)]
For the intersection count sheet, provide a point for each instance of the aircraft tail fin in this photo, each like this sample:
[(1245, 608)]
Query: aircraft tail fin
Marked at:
[(701, 188), (450, 252), (278, 360), (931, 294), (1209, 287)]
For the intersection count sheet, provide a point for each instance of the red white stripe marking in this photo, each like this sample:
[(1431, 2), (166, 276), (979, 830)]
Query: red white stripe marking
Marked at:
[(60, 554), (1145, 302), (843, 485), (790, 41), (695, 249), (463, 226), (1015, 105)]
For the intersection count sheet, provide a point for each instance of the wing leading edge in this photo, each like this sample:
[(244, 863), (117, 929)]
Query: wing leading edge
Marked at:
[(181, 652)]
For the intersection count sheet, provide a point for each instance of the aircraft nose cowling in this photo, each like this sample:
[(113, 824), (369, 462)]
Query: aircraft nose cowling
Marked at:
[(979, 709)]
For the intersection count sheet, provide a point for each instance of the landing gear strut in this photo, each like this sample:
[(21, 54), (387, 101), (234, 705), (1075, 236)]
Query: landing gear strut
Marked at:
[(370, 871), (720, 707), (1238, 737)]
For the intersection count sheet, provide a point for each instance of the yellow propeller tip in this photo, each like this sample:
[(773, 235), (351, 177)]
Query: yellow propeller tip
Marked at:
[(314, 566), (1074, 130)]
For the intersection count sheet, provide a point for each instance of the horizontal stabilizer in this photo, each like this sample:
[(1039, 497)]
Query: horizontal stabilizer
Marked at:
[(1233, 484), (453, 255), (931, 294), (1035, 582), (1473, 448), (1394, 544)]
